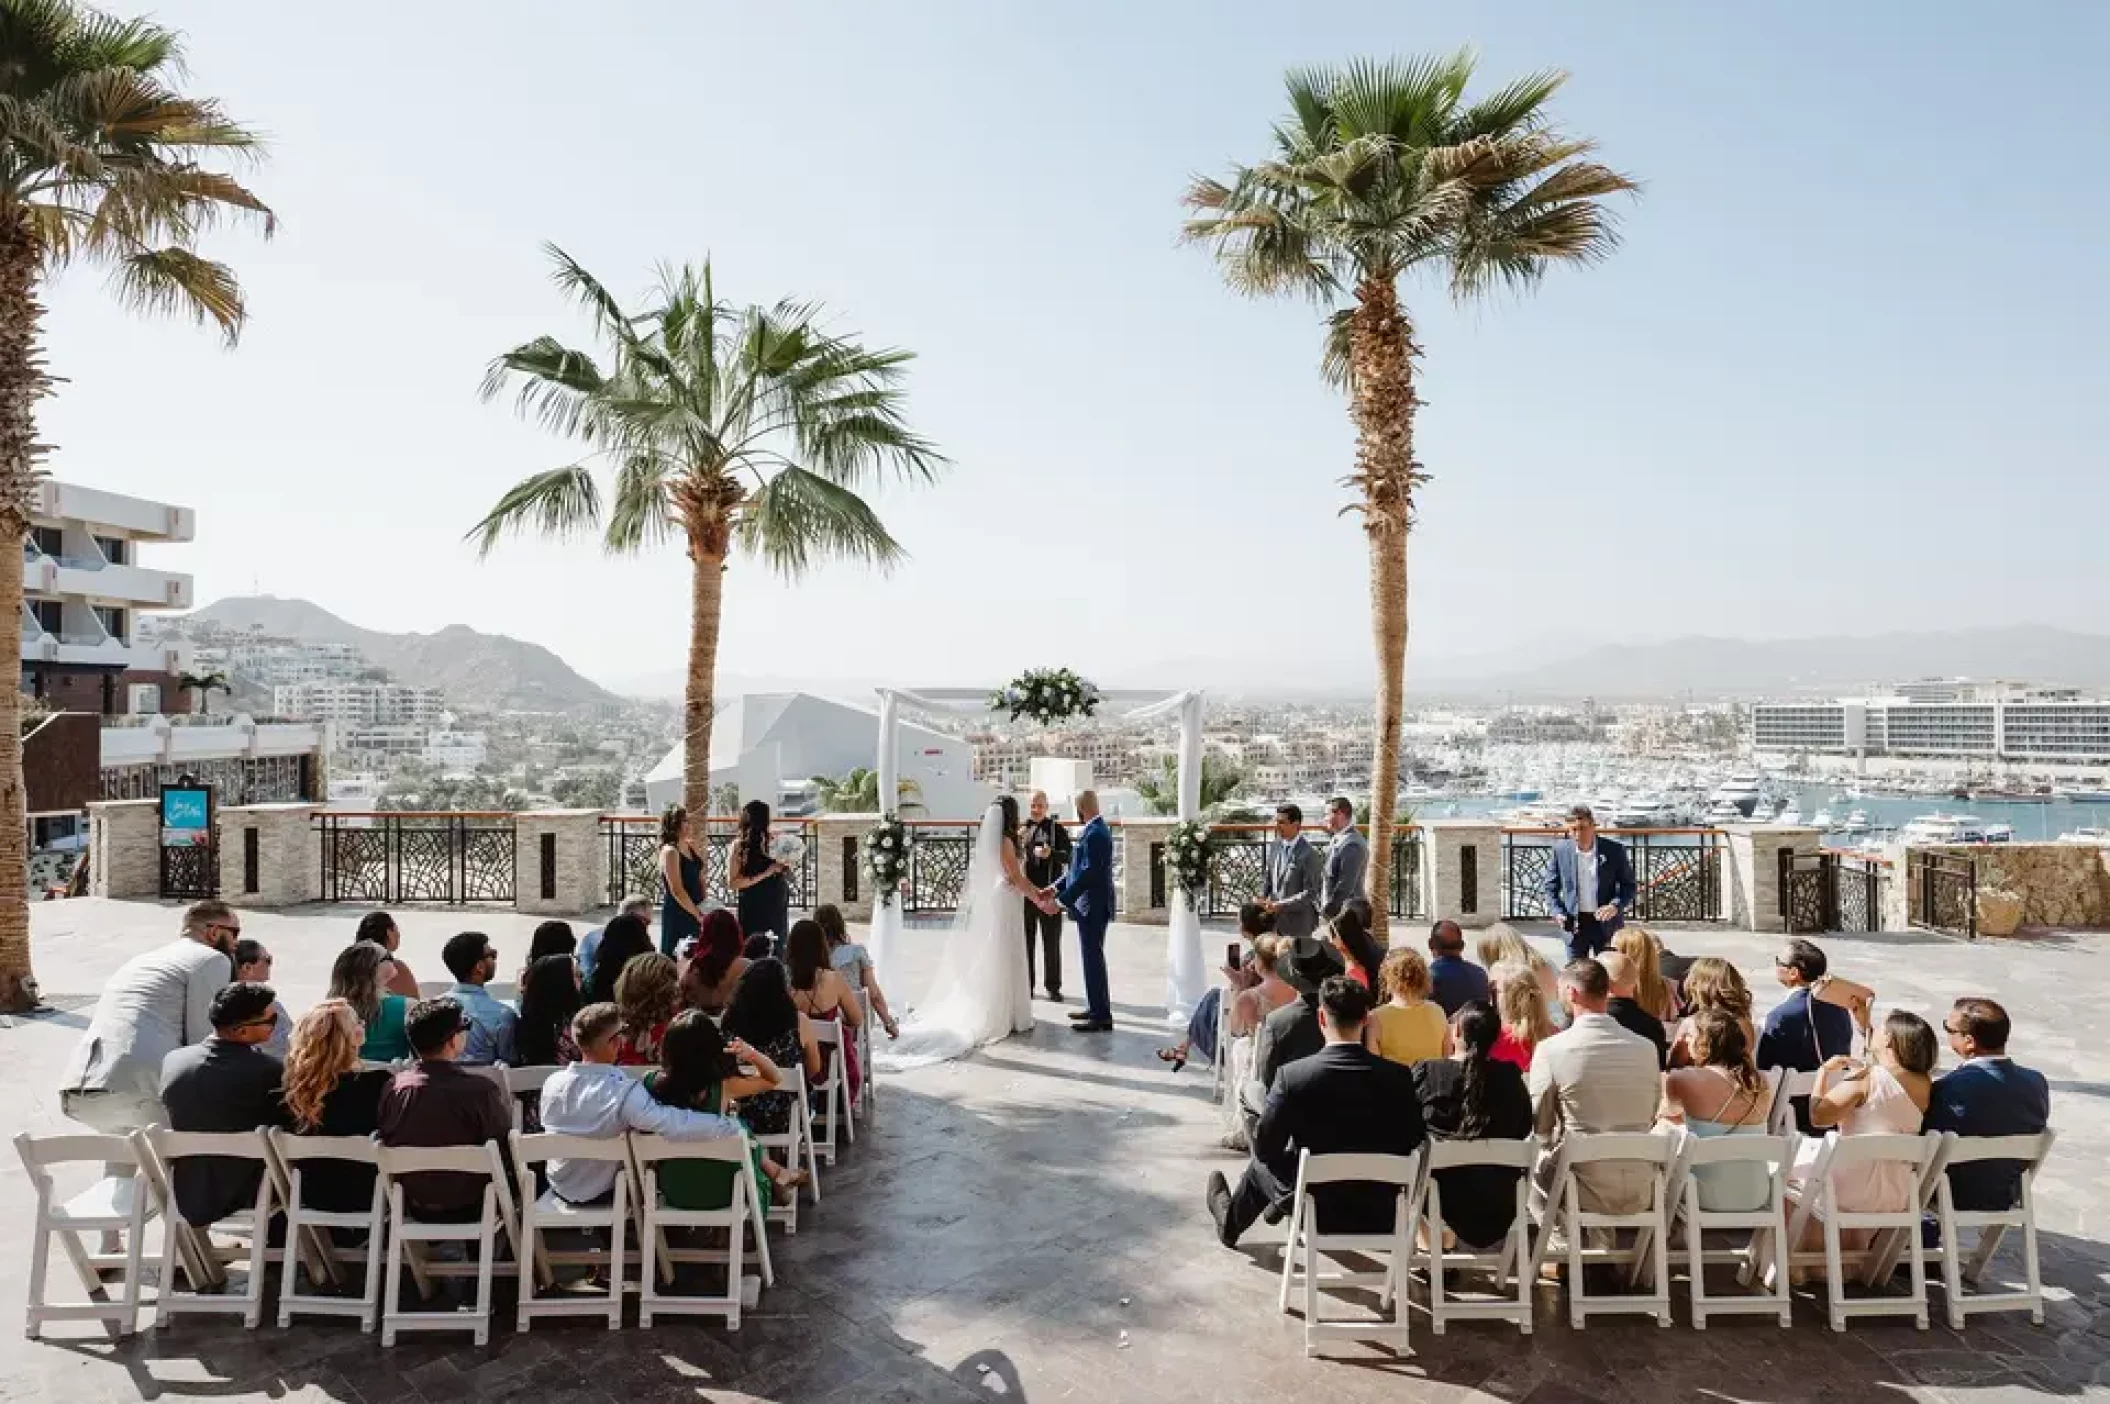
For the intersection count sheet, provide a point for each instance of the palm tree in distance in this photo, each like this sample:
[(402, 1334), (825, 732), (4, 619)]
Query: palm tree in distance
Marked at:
[(100, 164), (1221, 782), (203, 686), (1381, 170), (858, 792), (722, 427)]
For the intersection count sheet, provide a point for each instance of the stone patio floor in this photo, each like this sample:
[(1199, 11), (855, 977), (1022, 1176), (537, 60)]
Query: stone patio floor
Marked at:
[(1029, 1225)]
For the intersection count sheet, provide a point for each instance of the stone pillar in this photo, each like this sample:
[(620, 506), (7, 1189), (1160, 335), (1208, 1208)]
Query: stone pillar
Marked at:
[(270, 855), (1755, 899), (560, 862), (124, 848), (1461, 871), (841, 864), (1138, 837)]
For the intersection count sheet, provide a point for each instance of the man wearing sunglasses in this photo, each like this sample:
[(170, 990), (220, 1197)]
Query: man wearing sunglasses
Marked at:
[(227, 1083), (473, 962)]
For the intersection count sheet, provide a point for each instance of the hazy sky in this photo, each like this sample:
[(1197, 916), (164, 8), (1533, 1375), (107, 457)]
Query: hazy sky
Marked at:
[(1847, 373)]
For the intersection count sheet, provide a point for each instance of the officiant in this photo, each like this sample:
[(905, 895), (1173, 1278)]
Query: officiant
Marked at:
[(1045, 843)]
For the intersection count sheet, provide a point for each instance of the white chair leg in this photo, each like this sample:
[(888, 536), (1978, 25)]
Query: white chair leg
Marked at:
[(1289, 1255), (392, 1288), (39, 1272)]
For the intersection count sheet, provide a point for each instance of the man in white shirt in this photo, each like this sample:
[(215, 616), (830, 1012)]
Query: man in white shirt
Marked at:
[(594, 1097), (156, 1003), (1593, 1077)]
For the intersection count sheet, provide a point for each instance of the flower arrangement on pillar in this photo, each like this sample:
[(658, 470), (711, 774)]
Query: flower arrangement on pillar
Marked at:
[(1047, 695), (1188, 849), (887, 845)]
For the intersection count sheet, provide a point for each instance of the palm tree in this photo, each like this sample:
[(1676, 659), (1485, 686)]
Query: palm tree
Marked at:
[(1381, 170), (858, 792), (751, 427), (204, 685), (1221, 781), (99, 164)]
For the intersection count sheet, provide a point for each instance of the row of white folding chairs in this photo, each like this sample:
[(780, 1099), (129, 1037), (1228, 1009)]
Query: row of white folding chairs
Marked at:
[(1675, 1166)]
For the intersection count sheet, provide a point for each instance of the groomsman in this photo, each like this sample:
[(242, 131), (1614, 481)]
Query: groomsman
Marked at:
[(1046, 844), (1291, 886), (1347, 859)]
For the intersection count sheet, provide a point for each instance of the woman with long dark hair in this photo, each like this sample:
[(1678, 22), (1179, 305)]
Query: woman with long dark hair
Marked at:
[(380, 929), (763, 1014), (1722, 1094), (648, 996), (550, 938), (549, 996), (761, 885), (699, 1069), (1349, 934), (715, 962), (360, 978), (1474, 1096), (623, 939), (820, 992), (681, 880)]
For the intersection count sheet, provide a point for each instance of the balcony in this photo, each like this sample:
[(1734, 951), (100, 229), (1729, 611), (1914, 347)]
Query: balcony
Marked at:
[(171, 741), (93, 578), (135, 516)]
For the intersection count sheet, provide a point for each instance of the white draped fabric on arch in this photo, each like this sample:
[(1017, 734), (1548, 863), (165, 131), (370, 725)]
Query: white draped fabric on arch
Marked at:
[(1185, 976)]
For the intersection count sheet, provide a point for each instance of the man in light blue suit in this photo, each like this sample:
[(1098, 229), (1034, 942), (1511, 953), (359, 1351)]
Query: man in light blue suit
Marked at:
[(1589, 885)]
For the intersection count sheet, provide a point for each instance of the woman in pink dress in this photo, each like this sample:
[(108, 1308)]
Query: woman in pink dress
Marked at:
[(1883, 1096), (820, 992)]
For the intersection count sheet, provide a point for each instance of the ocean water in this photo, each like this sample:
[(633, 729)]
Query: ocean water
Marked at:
[(2032, 821)]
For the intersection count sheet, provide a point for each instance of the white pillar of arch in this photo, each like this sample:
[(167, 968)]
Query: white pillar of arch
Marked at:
[(886, 907), (1185, 975)]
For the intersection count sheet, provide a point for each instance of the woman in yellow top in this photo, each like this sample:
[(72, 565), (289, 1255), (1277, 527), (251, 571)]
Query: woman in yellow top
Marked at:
[(1406, 1028)]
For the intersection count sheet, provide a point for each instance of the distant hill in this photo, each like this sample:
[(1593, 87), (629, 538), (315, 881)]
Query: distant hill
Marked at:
[(472, 668), (1710, 667)]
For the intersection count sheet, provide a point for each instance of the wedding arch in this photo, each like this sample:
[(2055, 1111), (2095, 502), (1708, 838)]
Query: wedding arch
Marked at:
[(1185, 976)]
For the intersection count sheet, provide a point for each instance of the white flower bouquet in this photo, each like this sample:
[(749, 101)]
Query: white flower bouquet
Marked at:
[(1047, 695), (787, 849), (886, 856), (1188, 849)]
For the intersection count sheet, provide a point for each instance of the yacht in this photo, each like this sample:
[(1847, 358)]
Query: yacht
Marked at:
[(1791, 814), (1937, 828), (2000, 833), (1823, 819), (1724, 811), (1741, 790), (2087, 834), (1856, 822)]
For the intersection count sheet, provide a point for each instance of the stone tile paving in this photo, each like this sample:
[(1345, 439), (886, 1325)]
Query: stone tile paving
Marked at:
[(1029, 1225)]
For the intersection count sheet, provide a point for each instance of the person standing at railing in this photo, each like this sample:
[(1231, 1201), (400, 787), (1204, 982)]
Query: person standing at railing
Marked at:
[(1045, 845), (1290, 888), (1589, 885), (1347, 859), (761, 884), (681, 880)]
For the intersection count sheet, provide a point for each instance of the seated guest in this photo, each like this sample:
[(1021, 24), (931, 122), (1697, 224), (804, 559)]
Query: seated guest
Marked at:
[(1721, 1094), (648, 995), (437, 1102), (590, 944), (822, 994), (1342, 1099), (1254, 921), (1406, 1028), (1593, 1078), (760, 946), (762, 1015), (701, 1069), (1626, 1011), (1812, 1023), (1454, 981), (1990, 1095), (1651, 991), (550, 938), (227, 1083), (1884, 1096), (1711, 983), (1293, 1031), (1474, 1096), (325, 1093), (1503, 945), (623, 940), (593, 1097), (717, 960), (1525, 1022), (252, 966), (1349, 935), (854, 962), (473, 962), (379, 928), (549, 996), (360, 978)]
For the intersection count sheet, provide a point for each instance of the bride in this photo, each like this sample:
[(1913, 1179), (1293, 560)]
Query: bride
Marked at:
[(981, 991)]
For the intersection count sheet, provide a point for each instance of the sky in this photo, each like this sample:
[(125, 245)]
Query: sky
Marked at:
[(1844, 375)]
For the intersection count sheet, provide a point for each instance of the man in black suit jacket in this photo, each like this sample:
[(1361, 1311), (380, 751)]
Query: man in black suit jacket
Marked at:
[(227, 1083), (1343, 1098)]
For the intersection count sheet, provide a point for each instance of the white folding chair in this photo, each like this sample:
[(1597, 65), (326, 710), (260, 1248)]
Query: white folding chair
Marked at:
[(1300, 1254), (1992, 1226), (1787, 1086), (1766, 1226), (742, 1213), (1651, 1224), (791, 1147), (867, 1104), (1818, 1199), (832, 1091), (1512, 1257), (252, 1226), (550, 1210), (521, 1084), (1220, 1065), (296, 1154), (408, 1235), (113, 1204)]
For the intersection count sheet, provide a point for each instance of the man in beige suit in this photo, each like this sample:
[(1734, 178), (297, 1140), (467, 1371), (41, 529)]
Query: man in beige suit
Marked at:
[(1594, 1077)]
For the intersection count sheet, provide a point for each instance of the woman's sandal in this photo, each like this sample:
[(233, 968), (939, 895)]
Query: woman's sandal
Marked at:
[(1174, 1056)]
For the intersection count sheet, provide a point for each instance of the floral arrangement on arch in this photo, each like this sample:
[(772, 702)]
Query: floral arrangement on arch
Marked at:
[(887, 845), (1047, 695), (1188, 849)]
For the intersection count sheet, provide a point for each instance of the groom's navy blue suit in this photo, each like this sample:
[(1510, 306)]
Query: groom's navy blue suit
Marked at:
[(1087, 894)]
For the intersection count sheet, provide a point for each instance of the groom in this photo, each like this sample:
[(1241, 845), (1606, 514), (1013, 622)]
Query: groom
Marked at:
[(1087, 894)]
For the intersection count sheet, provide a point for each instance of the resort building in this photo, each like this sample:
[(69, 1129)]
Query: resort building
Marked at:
[(1954, 719), (356, 704)]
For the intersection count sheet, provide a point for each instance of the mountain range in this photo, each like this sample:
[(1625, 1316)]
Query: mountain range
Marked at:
[(472, 668)]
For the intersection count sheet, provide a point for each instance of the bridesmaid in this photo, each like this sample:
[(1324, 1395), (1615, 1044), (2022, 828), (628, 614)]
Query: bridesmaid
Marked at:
[(760, 884), (681, 871)]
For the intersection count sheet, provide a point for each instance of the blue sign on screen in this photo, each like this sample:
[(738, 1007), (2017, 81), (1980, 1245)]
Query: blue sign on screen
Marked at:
[(185, 809)]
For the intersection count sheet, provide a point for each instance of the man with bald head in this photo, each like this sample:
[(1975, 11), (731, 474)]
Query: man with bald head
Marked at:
[(1087, 894), (1045, 845)]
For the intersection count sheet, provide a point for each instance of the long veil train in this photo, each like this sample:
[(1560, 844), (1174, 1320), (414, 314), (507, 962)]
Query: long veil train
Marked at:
[(970, 999)]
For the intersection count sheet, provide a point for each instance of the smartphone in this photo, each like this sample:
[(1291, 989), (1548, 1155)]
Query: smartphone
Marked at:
[(1234, 955)]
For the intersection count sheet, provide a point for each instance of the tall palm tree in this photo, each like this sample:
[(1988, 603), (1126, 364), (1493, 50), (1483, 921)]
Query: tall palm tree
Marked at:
[(1381, 170), (99, 164), (203, 686), (750, 427)]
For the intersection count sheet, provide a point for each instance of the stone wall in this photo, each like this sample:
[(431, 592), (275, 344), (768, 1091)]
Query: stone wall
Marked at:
[(576, 877), (1455, 887), (1753, 872), (2059, 884), (288, 853), (124, 848)]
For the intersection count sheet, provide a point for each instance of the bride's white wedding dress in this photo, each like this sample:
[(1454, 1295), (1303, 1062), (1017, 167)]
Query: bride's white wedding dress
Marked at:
[(981, 992)]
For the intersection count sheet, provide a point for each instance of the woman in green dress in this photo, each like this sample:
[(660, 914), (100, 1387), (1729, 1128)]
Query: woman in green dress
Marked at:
[(700, 1069), (360, 978)]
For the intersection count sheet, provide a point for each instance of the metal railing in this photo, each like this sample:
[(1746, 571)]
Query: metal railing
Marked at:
[(633, 859), (1238, 867), (452, 859), (1677, 872), (1941, 892), (1832, 890)]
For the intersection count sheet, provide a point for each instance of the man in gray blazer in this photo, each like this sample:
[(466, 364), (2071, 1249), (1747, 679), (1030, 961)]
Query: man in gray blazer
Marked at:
[(1290, 887), (1347, 859), (1593, 1077)]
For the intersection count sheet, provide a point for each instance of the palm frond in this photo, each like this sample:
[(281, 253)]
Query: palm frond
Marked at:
[(561, 502), (640, 515), (796, 517), (1520, 105), (556, 385), (177, 281), (1336, 364)]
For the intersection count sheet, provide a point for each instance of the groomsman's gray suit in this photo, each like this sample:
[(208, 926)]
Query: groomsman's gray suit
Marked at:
[(1347, 858), (1293, 880)]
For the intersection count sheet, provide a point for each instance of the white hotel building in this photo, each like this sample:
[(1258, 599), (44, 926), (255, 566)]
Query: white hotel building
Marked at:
[(1944, 720)]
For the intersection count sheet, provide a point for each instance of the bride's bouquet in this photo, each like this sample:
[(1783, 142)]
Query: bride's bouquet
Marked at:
[(787, 849)]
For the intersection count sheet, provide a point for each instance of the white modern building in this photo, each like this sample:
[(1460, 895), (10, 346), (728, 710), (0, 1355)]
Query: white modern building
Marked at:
[(771, 745), (1985, 722), (352, 704), (83, 592), (277, 662), (457, 750)]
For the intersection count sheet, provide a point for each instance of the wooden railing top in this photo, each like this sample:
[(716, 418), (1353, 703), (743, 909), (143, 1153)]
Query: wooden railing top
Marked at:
[(1616, 833)]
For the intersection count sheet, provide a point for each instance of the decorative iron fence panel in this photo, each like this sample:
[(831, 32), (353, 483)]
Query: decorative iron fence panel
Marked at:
[(633, 860), (940, 854), (190, 873), (1941, 892), (1677, 873), (1238, 869), (448, 859)]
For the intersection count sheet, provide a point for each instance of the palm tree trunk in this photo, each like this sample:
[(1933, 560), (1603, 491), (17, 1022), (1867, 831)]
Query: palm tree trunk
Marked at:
[(22, 383), (1381, 356), (707, 546)]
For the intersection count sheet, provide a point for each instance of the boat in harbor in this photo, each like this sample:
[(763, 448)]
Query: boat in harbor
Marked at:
[(1791, 813), (1856, 822), (1939, 828), (1823, 819), (1740, 790), (2087, 834)]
